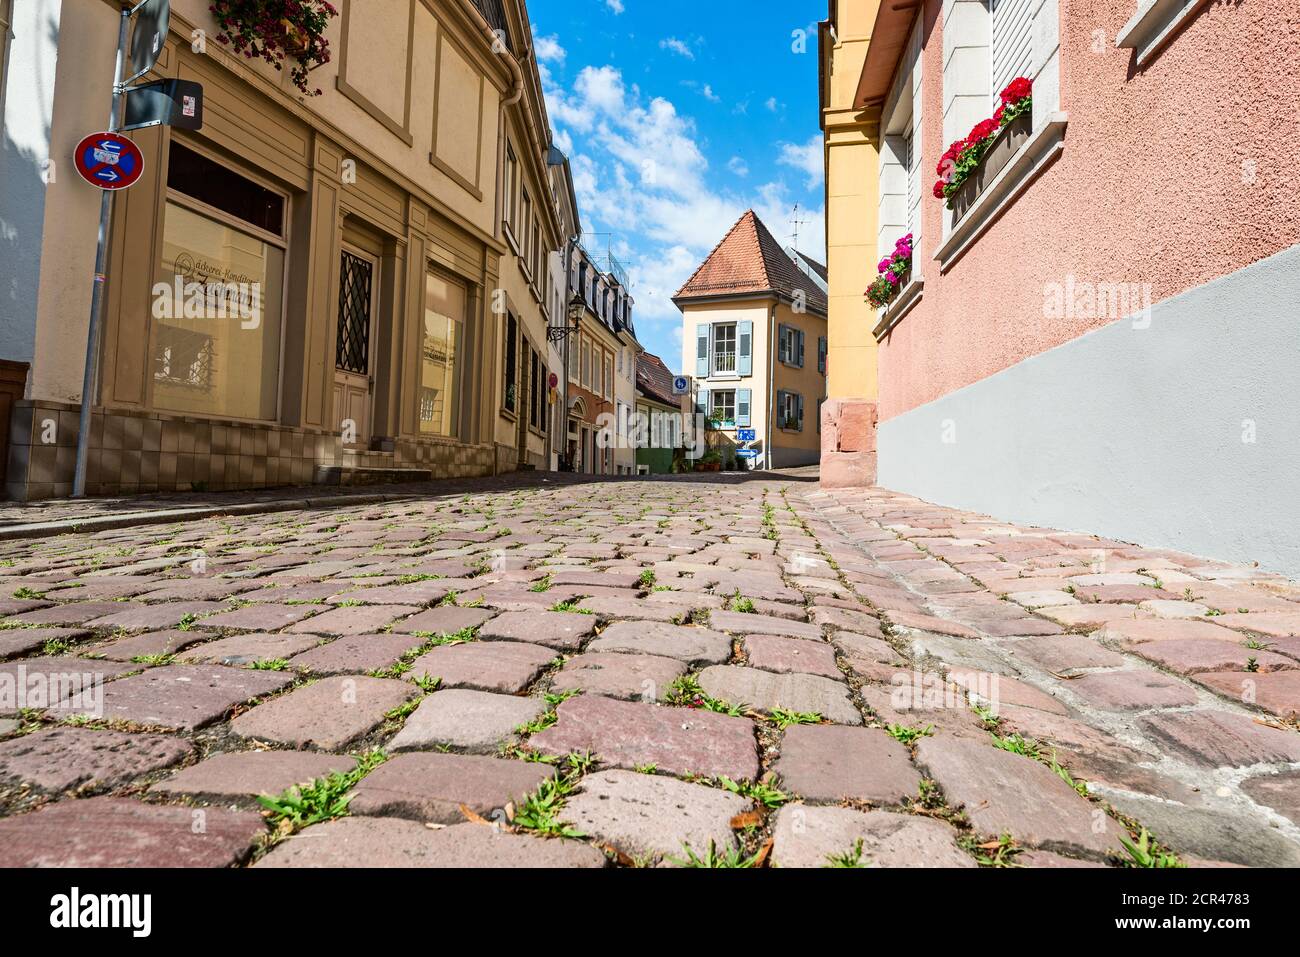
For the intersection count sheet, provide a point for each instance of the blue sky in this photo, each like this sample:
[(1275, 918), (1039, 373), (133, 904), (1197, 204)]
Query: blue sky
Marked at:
[(677, 117)]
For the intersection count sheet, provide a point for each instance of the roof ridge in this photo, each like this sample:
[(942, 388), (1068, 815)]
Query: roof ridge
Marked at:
[(714, 251)]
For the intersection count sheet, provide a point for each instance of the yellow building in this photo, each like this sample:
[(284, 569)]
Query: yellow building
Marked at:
[(848, 448), (387, 242), (754, 338)]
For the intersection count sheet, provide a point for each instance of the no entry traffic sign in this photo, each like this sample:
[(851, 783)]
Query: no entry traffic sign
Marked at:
[(109, 161)]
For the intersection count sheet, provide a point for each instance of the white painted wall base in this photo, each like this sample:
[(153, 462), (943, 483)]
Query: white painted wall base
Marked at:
[(1182, 432)]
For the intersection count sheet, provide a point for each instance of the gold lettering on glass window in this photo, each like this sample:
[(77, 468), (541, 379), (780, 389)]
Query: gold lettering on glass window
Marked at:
[(216, 319), (444, 312)]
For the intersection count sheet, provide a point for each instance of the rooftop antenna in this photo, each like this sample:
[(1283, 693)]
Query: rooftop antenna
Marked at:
[(796, 222)]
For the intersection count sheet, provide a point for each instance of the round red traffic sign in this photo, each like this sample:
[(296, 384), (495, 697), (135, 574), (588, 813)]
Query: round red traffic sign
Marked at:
[(109, 161)]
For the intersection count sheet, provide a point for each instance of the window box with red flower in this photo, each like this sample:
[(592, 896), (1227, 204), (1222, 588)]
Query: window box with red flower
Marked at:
[(275, 30), (971, 163)]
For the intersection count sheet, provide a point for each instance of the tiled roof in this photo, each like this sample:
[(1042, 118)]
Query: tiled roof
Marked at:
[(654, 379), (749, 259)]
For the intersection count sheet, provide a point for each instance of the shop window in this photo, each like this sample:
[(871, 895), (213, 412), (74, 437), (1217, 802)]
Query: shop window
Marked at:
[(444, 318), (217, 309)]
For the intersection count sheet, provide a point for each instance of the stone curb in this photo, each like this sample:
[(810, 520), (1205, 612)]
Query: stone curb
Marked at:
[(99, 523)]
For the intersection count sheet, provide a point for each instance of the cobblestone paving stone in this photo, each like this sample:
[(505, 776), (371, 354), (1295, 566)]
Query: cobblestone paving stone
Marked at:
[(740, 671)]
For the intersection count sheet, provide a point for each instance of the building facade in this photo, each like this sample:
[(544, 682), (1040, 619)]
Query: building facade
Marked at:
[(1063, 351), (379, 253), (559, 259), (658, 416), (754, 337), (602, 368)]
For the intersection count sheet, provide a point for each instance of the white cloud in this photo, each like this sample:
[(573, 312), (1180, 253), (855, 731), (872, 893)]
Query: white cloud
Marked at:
[(707, 92), (677, 46), (771, 104), (641, 173), (615, 5), (548, 49), (807, 158)]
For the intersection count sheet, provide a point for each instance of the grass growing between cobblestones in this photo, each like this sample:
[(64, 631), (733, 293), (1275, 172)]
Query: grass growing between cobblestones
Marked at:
[(318, 800), (851, 858), (713, 858), (548, 717), (1144, 853), (686, 692), (783, 717), (540, 811)]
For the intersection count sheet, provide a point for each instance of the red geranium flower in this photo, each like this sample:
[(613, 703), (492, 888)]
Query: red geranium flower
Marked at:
[(938, 189), (982, 131), (1016, 90)]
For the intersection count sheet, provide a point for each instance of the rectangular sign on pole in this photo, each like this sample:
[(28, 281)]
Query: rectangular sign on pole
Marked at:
[(177, 103), (746, 435)]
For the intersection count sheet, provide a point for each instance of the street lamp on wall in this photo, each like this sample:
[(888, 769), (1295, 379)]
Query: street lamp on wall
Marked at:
[(577, 306)]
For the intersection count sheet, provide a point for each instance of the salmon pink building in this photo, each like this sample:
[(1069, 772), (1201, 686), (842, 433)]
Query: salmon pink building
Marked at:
[(1098, 325)]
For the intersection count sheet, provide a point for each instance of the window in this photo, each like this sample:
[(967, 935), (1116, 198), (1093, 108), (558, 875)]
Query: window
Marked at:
[(509, 399), (574, 373), (510, 186), (821, 354), (1013, 47), (216, 345), (789, 411), (535, 257), (444, 317), (586, 365), (538, 397), (790, 343), (525, 231), (724, 348), (722, 411), (609, 375)]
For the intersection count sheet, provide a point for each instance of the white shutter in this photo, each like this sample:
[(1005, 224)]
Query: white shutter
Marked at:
[(1013, 47), (913, 183)]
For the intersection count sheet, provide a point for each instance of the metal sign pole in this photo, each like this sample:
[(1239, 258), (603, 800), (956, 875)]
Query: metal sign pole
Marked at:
[(88, 382)]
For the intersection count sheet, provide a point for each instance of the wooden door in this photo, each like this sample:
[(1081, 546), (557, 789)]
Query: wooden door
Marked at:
[(354, 378)]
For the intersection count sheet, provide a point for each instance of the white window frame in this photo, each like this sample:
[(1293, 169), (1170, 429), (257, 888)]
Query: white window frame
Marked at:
[(1154, 24), (713, 404), (717, 356)]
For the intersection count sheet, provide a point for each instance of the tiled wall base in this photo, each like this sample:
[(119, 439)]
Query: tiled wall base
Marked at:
[(133, 453)]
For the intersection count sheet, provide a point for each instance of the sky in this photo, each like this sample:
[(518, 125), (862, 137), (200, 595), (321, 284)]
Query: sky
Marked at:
[(677, 117)]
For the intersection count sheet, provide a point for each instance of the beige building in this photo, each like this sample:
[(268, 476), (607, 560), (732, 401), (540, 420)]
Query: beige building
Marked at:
[(379, 252), (754, 338)]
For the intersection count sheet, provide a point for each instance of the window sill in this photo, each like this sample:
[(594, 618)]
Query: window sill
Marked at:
[(726, 376), (906, 300), (510, 237), (1154, 24), (1045, 144)]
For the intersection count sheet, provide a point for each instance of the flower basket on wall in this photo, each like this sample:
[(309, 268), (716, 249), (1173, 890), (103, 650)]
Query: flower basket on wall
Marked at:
[(276, 30), (990, 142), (1000, 149), (895, 270)]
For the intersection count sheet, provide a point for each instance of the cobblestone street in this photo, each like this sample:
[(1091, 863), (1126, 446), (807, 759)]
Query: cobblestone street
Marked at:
[(710, 671)]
